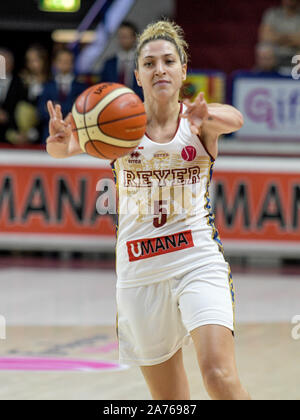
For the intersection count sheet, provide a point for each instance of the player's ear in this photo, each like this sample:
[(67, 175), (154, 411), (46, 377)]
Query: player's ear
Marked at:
[(136, 73)]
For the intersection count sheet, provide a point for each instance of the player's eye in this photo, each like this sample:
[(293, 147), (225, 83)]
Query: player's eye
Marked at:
[(148, 64)]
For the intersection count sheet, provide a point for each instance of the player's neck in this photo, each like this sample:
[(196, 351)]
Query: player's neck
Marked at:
[(162, 114)]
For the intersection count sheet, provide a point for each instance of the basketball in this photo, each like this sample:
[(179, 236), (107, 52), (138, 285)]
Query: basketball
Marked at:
[(108, 120)]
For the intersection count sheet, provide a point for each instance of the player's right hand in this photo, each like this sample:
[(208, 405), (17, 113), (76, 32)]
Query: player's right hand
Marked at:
[(60, 143), (59, 132)]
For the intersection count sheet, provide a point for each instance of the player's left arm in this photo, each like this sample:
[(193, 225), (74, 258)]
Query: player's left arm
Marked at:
[(209, 121), (212, 119), (222, 119)]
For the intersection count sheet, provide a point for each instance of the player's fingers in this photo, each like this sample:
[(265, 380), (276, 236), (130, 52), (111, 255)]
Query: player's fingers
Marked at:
[(200, 97), (51, 109), (188, 103), (194, 129), (60, 136), (59, 114), (56, 127), (68, 125), (68, 129), (57, 138), (68, 118)]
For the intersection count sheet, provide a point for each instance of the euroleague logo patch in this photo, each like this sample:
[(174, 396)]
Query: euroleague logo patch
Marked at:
[(188, 153)]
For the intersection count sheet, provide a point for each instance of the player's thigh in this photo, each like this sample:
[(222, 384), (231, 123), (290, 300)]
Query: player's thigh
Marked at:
[(167, 380), (150, 328)]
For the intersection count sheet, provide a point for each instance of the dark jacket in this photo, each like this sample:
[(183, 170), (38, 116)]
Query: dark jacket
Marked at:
[(16, 93), (110, 74), (51, 92)]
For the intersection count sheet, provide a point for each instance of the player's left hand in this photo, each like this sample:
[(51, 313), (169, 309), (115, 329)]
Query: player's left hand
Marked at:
[(196, 113)]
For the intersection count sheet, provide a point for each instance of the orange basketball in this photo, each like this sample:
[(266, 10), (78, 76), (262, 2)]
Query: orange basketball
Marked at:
[(109, 120)]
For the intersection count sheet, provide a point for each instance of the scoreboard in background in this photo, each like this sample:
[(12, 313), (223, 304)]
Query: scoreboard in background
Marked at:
[(33, 15), (59, 5)]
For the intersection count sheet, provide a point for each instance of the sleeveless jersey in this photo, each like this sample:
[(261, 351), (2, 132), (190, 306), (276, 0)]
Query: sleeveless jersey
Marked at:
[(163, 207)]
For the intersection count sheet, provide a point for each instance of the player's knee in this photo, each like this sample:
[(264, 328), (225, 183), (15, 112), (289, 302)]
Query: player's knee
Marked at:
[(218, 377)]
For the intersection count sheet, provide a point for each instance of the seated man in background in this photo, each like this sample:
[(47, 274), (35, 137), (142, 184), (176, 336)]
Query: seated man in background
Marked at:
[(120, 67), (12, 92), (265, 59), (280, 26), (62, 89)]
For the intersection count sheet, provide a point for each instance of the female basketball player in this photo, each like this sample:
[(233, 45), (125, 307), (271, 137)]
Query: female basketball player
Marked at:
[(173, 282)]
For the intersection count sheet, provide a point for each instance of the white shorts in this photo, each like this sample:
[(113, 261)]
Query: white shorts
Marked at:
[(154, 321)]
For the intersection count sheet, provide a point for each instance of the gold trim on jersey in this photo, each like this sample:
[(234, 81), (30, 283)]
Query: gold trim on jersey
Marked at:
[(216, 237), (210, 216), (232, 293)]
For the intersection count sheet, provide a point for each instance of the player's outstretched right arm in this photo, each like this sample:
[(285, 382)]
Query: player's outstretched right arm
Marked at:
[(61, 143)]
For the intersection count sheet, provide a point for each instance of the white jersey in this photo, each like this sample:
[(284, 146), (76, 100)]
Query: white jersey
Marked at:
[(163, 208)]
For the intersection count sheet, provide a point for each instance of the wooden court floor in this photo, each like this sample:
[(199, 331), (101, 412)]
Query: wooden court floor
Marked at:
[(268, 360), (60, 322)]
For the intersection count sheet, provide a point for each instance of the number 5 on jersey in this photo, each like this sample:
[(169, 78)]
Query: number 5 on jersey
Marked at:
[(160, 210)]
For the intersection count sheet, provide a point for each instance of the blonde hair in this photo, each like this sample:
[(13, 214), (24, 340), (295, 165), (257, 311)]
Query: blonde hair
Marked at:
[(163, 29)]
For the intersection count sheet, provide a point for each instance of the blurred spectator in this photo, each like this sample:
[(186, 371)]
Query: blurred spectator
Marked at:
[(265, 59), (62, 89), (36, 71), (12, 92), (112, 14), (281, 27), (35, 74), (120, 67)]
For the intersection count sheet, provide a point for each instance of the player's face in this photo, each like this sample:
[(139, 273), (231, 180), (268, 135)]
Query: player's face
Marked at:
[(160, 71)]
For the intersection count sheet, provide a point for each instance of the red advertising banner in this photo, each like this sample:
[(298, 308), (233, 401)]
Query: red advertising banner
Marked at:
[(62, 204), (47, 201), (256, 202)]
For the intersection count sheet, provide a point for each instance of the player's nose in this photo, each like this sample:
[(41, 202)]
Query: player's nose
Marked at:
[(160, 68)]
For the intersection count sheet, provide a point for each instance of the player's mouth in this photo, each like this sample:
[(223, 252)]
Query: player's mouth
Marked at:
[(162, 82)]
